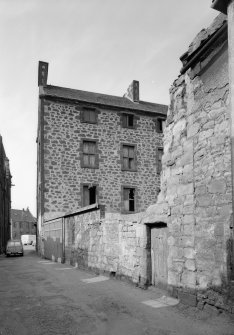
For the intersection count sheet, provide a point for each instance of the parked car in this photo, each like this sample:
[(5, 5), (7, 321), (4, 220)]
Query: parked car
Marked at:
[(14, 247)]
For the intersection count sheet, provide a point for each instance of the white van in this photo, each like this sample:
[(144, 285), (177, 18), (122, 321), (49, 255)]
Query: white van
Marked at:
[(28, 239)]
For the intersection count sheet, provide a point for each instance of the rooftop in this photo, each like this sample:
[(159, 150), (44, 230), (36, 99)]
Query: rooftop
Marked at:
[(24, 215), (101, 99)]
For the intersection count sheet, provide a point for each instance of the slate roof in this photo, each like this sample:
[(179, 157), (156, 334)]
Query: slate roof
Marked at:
[(18, 215), (101, 99)]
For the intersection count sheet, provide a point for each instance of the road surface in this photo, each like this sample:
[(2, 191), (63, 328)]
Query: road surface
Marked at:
[(39, 297)]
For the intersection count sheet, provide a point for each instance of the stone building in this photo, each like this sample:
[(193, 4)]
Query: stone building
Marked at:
[(195, 202), (185, 241), (5, 198), (96, 148), (22, 223)]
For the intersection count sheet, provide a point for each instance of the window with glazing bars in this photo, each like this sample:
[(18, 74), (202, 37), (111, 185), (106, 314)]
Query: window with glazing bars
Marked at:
[(89, 154), (128, 157)]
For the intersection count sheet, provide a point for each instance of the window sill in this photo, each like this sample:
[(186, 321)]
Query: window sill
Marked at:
[(89, 167), (128, 212), (82, 121), (130, 170), (129, 127)]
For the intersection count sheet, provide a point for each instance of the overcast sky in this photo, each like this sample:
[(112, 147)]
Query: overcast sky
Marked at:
[(91, 45)]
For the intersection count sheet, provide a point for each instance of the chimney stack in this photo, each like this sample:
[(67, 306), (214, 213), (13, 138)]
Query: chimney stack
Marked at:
[(42, 73), (133, 91)]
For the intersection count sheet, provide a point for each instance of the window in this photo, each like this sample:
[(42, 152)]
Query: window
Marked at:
[(159, 157), (89, 115), (160, 125), (89, 195), (128, 157), (129, 199), (89, 154), (128, 121)]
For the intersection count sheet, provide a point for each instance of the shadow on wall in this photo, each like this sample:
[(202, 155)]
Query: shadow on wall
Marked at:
[(53, 249), (78, 255), (79, 258), (230, 256)]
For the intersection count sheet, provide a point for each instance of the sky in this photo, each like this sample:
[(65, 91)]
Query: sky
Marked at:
[(91, 45)]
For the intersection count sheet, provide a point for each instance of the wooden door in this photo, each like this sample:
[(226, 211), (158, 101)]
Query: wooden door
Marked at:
[(159, 255)]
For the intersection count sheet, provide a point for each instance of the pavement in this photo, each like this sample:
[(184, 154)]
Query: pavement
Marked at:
[(40, 297)]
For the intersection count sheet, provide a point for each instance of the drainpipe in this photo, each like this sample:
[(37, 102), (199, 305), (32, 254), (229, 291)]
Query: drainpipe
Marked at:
[(227, 7)]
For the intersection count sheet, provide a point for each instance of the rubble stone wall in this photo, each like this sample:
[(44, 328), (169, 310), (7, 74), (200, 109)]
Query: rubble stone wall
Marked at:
[(63, 131)]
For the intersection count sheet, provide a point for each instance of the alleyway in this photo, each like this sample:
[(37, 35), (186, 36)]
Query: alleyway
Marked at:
[(40, 297)]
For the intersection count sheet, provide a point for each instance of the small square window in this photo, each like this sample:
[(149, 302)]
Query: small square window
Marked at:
[(89, 195), (89, 154), (129, 199), (89, 115), (128, 121), (128, 157)]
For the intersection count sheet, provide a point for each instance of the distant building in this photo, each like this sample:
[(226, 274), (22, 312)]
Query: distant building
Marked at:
[(96, 148), (23, 223), (5, 198)]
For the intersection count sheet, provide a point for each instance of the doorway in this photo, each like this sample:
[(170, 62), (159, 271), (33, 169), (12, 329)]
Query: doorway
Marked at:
[(157, 254)]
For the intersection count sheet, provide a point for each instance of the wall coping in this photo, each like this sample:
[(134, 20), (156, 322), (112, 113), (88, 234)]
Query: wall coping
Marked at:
[(77, 211)]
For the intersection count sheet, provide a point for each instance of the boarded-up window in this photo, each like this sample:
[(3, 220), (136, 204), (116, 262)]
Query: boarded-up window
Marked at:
[(89, 195), (128, 157), (128, 120), (89, 154), (89, 115), (160, 154), (129, 199)]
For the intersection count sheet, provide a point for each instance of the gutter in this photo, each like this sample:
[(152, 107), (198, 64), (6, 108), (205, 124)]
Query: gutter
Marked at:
[(196, 55)]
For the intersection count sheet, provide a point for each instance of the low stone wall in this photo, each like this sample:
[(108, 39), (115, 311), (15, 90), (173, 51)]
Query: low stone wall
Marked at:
[(115, 244)]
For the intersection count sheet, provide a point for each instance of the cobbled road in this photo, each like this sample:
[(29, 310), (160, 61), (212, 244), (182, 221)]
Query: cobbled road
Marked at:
[(39, 297)]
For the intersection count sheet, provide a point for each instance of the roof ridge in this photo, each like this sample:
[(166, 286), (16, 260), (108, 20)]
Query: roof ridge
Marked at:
[(101, 99)]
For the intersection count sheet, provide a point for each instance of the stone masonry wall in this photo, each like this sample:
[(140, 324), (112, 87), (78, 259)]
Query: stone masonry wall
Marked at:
[(63, 131), (115, 245), (196, 194), (198, 164)]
